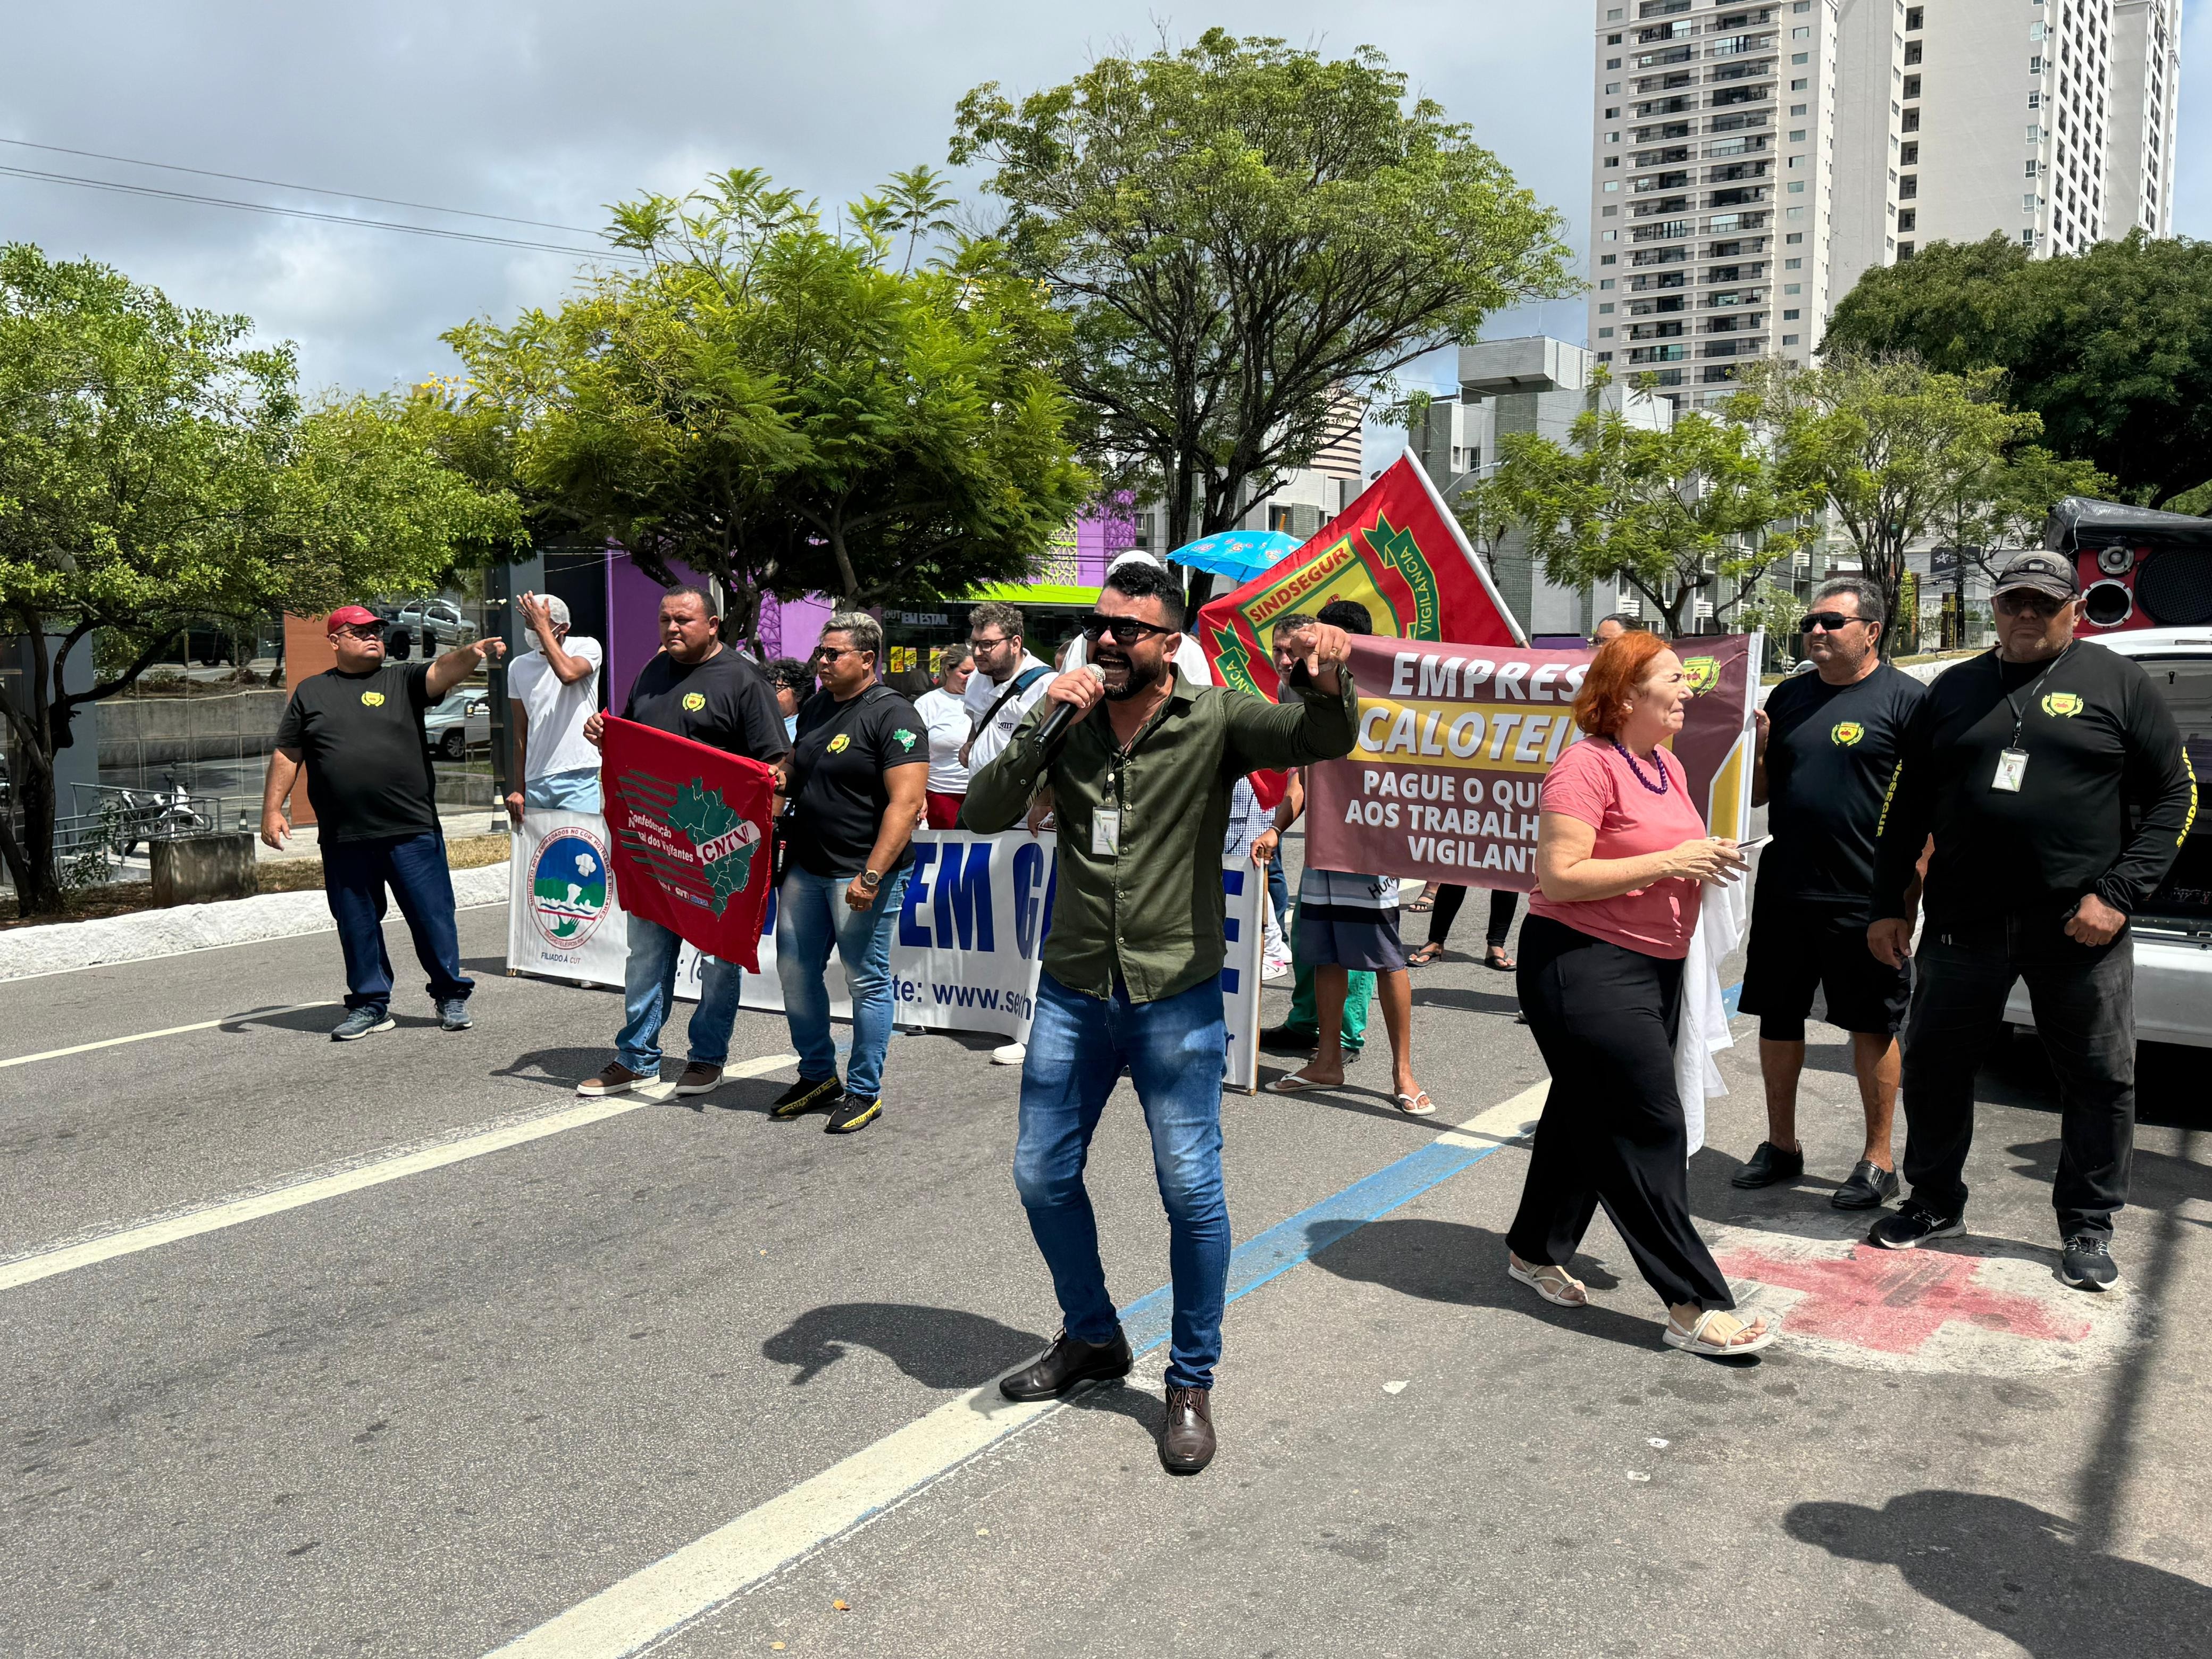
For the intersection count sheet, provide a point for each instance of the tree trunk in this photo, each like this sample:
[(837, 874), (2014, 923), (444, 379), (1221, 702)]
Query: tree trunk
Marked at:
[(38, 892)]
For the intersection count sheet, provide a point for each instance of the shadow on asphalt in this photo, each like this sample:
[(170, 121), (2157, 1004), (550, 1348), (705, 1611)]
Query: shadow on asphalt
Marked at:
[(1473, 1002), (938, 1347), (1451, 1261), (2011, 1569)]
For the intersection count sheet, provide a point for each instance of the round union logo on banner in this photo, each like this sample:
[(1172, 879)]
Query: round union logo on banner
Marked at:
[(568, 887), (1704, 674)]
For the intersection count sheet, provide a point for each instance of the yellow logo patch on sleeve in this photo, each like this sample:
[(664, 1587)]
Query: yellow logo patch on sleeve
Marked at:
[(694, 701), (1846, 733), (2063, 703), (372, 699)]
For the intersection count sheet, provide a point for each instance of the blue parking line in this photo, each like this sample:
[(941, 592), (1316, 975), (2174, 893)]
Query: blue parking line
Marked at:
[(1290, 1241)]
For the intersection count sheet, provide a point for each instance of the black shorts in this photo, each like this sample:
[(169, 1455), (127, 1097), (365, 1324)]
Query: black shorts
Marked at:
[(1797, 949)]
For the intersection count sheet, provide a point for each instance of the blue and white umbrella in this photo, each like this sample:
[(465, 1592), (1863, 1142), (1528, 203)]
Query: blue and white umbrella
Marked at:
[(1239, 555)]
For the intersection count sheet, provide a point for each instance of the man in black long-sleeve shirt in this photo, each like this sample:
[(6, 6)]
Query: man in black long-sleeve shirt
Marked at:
[(2053, 779)]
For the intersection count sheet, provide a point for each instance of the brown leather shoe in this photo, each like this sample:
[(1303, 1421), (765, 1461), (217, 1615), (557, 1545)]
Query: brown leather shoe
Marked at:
[(699, 1078), (1067, 1363), (1187, 1438), (614, 1078)]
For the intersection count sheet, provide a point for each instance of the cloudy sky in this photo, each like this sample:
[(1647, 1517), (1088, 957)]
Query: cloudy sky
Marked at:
[(547, 112)]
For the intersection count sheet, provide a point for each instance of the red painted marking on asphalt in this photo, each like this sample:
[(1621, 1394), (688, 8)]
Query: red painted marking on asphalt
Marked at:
[(1892, 1301)]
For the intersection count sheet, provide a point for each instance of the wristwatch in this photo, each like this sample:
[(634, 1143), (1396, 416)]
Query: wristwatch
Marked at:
[(869, 879)]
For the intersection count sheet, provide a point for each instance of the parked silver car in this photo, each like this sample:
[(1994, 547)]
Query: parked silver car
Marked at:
[(460, 723)]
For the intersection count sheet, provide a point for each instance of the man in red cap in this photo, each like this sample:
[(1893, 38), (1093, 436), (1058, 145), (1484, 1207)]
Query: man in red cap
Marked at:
[(358, 729)]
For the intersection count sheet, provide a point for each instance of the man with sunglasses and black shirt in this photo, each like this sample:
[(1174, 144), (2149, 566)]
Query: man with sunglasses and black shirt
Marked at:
[(1827, 747), (2053, 778), (1131, 969), (357, 730)]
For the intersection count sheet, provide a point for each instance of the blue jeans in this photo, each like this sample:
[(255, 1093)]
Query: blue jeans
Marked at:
[(1174, 1049), (811, 911), (1279, 891), (564, 792), (649, 987), (355, 874)]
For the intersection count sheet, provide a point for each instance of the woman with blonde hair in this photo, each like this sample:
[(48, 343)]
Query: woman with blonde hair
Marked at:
[(1621, 858)]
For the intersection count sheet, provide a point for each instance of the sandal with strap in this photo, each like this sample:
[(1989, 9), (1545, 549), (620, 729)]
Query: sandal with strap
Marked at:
[(1555, 1284), (1425, 954), (1694, 1339)]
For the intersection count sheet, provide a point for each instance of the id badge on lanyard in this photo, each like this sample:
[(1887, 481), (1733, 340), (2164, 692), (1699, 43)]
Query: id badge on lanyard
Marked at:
[(2011, 768), (1106, 833)]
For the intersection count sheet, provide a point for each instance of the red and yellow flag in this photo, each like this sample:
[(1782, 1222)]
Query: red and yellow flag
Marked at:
[(1398, 552)]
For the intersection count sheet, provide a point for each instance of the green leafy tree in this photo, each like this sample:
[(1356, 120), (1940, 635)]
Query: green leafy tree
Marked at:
[(1999, 507), (1885, 444), (2112, 347), (776, 403), (1696, 509), (155, 469), (1248, 240)]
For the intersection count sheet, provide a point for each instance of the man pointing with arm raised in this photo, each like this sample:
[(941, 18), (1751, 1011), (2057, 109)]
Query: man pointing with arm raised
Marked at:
[(1131, 969)]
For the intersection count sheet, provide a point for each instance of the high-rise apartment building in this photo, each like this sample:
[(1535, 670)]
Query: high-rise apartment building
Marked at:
[(1752, 160)]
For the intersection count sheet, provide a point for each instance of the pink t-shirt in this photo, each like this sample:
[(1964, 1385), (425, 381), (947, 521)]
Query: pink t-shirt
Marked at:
[(1592, 781)]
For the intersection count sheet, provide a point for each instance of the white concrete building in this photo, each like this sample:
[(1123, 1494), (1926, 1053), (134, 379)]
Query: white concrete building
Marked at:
[(1539, 385), (1752, 161)]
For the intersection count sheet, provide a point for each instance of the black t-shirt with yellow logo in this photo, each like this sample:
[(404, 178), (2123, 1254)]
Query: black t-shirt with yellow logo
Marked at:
[(1831, 752), (359, 737), (723, 702), (837, 788), (2103, 802)]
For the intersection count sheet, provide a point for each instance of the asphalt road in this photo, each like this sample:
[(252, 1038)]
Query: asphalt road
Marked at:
[(428, 1415)]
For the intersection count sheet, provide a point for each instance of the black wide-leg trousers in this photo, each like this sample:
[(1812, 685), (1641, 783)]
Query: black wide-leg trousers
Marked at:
[(1612, 1131)]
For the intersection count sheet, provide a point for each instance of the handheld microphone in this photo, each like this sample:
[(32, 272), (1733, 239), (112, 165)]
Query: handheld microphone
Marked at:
[(1065, 715)]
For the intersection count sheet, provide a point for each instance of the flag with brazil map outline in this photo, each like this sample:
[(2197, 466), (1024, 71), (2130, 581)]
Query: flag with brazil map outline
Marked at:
[(1397, 550), (688, 828)]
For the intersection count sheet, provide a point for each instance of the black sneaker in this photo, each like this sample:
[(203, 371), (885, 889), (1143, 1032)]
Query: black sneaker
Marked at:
[(1869, 1187), (454, 1014), (1289, 1040), (852, 1114), (2086, 1263), (360, 1023), (1769, 1165), (1914, 1225), (807, 1096)]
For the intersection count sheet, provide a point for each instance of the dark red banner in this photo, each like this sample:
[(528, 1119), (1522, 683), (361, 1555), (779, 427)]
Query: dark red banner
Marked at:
[(690, 834), (1454, 741)]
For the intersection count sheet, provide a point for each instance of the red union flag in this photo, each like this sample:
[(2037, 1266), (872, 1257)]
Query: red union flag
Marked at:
[(1398, 552), (1454, 741), (690, 838)]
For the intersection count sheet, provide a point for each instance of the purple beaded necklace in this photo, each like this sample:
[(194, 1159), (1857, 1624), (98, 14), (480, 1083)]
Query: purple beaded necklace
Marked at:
[(1658, 788)]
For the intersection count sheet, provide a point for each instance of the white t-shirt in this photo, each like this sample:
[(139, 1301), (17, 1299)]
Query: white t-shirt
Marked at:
[(983, 692), (949, 722), (557, 711)]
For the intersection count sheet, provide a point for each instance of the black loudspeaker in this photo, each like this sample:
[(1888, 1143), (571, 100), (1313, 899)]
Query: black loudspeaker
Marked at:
[(2174, 587)]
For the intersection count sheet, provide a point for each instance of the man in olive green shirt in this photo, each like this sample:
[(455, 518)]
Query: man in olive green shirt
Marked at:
[(1131, 968)]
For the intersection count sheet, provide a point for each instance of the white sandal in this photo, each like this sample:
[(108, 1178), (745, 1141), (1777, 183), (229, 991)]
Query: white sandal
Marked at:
[(1554, 1289), (1694, 1340)]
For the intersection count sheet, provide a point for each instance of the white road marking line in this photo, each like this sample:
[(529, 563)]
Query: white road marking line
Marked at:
[(169, 1030), (706, 1574), (28, 1270)]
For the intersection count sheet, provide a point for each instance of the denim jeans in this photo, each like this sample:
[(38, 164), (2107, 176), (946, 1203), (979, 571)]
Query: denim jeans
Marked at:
[(355, 874), (1173, 1049), (2084, 998), (649, 987), (812, 912)]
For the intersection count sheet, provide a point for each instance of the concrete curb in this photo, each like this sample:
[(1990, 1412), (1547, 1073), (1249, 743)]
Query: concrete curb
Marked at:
[(25, 952)]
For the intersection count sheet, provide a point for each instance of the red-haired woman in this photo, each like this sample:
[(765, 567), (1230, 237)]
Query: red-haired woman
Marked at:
[(1622, 854)]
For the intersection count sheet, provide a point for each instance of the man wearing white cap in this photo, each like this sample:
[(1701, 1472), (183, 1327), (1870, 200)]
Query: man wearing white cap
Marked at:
[(554, 689)]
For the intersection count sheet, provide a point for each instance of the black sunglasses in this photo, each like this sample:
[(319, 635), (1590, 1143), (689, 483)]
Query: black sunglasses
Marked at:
[(1126, 630), (1832, 621)]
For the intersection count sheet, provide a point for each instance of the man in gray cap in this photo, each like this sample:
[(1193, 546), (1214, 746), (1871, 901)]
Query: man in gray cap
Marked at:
[(2053, 778)]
